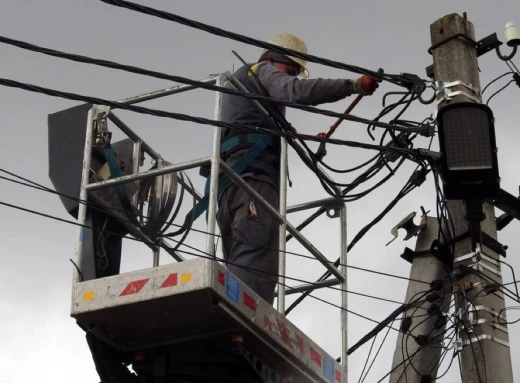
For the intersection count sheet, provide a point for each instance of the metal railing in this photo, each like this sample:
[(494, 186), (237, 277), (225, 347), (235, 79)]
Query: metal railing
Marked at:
[(98, 112)]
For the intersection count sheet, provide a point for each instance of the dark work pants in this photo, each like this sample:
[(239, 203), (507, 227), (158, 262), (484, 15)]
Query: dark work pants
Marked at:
[(250, 237)]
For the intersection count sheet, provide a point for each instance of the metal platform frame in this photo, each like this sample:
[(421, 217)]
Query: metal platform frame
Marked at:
[(336, 207)]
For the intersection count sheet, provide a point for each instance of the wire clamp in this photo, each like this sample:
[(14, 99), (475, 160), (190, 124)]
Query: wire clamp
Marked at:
[(480, 261), (445, 92)]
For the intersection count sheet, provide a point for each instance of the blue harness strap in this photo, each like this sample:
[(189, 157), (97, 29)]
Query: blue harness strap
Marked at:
[(115, 171), (260, 143)]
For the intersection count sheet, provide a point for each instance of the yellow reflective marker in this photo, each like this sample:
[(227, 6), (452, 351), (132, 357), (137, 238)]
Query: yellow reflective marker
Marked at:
[(186, 277), (89, 295)]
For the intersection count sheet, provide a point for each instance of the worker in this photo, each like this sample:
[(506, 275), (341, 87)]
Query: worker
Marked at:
[(249, 233)]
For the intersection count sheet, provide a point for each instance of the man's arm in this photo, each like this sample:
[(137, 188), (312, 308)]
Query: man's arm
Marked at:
[(303, 91)]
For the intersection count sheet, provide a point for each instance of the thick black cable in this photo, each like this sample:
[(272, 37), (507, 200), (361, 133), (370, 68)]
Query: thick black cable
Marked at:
[(498, 91), (358, 237), (361, 379), (390, 318), (512, 274), (95, 206), (505, 309), (179, 79), (198, 120), (475, 355), (400, 364), (512, 66), (374, 169), (253, 270), (395, 79), (429, 316), (183, 244), (493, 81), (377, 353), (211, 257)]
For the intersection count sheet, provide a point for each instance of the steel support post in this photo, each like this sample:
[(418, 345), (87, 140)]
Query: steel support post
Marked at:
[(93, 114), (136, 160), (214, 175), (283, 226), (344, 287)]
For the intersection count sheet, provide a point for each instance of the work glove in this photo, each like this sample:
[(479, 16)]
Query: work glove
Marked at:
[(366, 85)]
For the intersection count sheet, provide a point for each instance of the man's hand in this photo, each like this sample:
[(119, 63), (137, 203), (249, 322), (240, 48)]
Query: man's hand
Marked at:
[(366, 85)]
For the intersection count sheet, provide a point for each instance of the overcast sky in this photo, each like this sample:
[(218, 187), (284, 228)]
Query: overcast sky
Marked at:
[(39, 341)]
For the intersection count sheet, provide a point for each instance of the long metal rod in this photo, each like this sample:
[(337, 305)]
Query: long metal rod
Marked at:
[(157, 255), (311, 286), (283, 226), (170, 251), (148, 174), (83, 194), (214, 175), (163, 92), (156, 208), (133, 136), (332, 202), (344, 288), (136, 161), (271, 210)]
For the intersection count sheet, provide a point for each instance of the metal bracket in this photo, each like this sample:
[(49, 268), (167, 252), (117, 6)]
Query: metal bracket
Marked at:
[(100, 117), (445, 92), (332, 211), (488, 241), (488, 44), (465, 316), (480, 261), (411, 228)]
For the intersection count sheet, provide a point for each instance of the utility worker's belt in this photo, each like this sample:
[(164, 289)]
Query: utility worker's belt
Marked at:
[(244, 141), (255, 144)]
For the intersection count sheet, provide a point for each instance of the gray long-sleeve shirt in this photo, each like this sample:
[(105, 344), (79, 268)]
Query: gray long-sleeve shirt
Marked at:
[(280, 86)]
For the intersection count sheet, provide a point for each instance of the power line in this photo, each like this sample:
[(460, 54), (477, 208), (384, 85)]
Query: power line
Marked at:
[(93, 205), (498, 91), (205, 256), (210, 257), (400, 80), (198, 84), (409, 186), (495, 80), (200, 120)]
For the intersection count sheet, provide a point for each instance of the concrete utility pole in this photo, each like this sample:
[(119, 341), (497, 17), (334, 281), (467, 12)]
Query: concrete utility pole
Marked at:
[(485, 351), (425, 267)]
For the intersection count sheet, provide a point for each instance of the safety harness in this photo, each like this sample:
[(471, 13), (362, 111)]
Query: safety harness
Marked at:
[(259, 142), (254, 144), (115, 172)]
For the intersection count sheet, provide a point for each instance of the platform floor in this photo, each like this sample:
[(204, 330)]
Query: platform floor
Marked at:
[(188, 310)]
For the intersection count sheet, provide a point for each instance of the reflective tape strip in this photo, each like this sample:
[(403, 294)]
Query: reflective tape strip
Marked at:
[(486, 337), (147, 284)]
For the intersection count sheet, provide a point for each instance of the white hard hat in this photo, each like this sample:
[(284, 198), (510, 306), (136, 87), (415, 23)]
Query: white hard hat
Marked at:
[(289, 41)]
